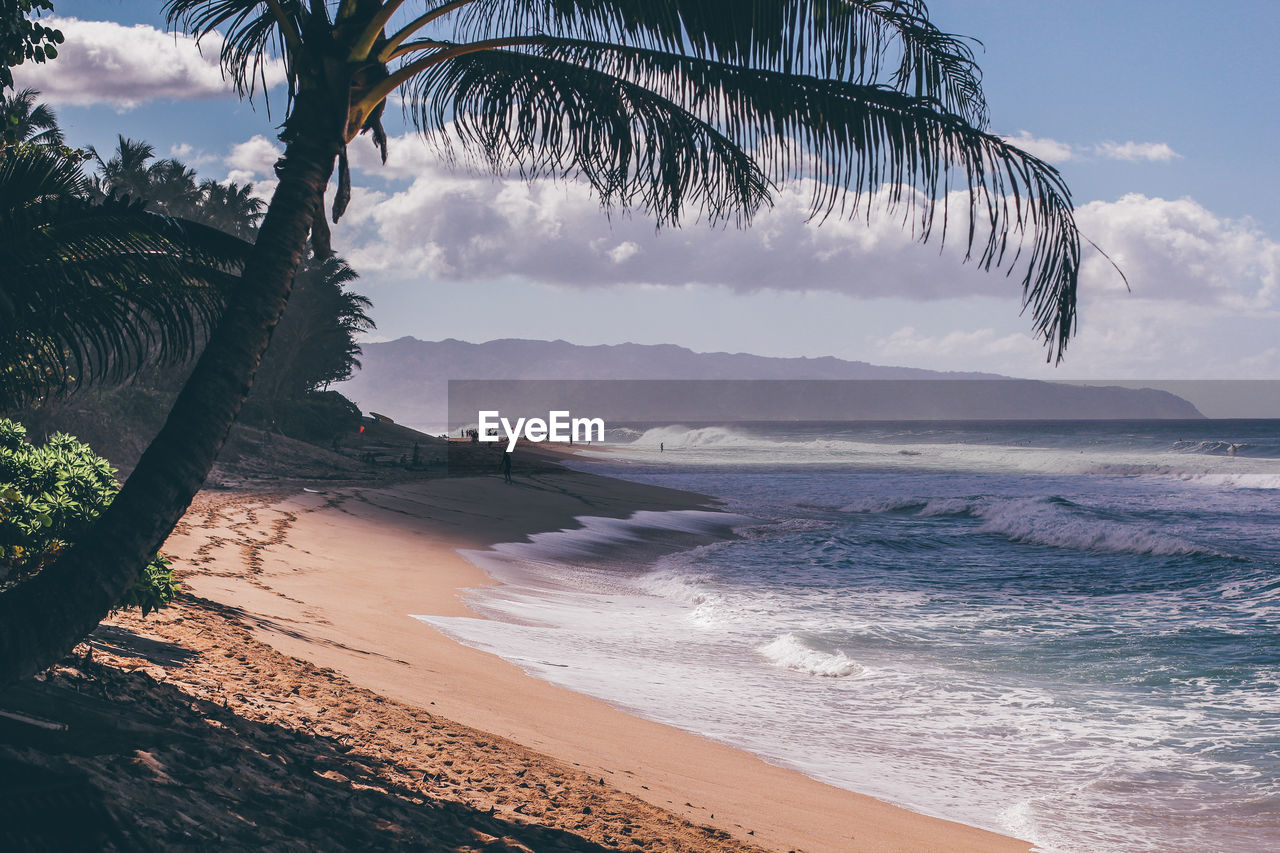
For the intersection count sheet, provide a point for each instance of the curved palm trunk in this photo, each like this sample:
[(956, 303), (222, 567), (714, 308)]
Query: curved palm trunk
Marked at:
[(42, 619)]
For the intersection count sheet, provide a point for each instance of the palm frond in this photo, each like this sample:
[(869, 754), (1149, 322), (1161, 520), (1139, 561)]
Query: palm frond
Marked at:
[(89, 291), (548, 118), (23, 120), (30, 175), (860, 41), (251, 37)]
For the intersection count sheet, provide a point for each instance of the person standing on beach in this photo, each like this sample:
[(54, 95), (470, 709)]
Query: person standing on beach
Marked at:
[(506, 466)]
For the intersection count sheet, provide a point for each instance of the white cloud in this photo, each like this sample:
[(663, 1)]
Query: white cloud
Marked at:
[(621, 252), (1155, 152), (1179, 250), (192, 156), (108, 63), (1050, 150), (1123, 336), (408, 156), (1119, 336), (1263, 365), (1055, 151), (253, 160), (906, 345), (1204, 293), (1204, 304), (460, 227)]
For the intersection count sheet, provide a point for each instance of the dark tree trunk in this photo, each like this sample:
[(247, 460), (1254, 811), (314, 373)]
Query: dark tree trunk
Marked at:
[(42, 619)]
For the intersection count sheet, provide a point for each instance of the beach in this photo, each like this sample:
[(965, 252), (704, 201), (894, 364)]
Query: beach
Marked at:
[(967, 624), (319, 586)]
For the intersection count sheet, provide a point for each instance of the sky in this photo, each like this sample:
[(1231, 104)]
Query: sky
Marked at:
[(1162, 117)]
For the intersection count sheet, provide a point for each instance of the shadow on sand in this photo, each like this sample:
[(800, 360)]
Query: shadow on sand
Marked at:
[(142, 765)]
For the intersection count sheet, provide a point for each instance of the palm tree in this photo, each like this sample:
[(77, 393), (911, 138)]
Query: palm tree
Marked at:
[(22, 120), (173, 189), (314, 344), (170, 187), (675, 107), (231, 207), (90, 290), (128, 173)]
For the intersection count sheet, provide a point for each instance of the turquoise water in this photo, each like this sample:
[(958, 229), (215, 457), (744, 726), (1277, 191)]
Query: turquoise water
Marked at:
[(1067, 632)]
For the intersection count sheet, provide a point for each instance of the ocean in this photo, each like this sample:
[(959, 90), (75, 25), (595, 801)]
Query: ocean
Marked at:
[(1064, 631)]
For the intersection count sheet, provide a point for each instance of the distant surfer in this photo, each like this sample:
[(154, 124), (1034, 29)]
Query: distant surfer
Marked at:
[(662, 445)]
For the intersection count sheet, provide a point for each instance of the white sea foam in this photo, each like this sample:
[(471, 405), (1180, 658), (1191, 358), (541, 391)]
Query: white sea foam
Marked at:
[(1245, 480), (712, 441), (680, 437), (1208, 462), (1042, 521), (706, 607), (791, 652)]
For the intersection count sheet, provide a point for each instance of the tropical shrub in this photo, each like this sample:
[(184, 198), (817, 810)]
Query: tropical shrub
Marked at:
[(48, 496)]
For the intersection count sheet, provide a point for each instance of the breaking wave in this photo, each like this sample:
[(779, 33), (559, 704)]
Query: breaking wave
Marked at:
[(790, 652), (1053, 522), (1212, 463)]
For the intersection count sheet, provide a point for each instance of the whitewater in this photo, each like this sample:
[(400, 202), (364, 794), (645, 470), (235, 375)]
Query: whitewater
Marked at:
[(1065, 631)]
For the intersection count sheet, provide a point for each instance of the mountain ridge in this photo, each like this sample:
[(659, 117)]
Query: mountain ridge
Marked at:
[(407, 378)]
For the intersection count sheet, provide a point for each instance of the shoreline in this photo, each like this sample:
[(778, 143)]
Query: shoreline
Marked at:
[(331, 576)]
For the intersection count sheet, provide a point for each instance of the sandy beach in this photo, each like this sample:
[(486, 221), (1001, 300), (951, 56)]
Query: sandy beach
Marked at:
[(332, 576)]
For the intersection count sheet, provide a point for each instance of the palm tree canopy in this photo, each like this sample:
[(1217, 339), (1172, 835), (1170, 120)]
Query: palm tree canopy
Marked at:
[(127, 174), (314, 343), (231, 207), (174, 189), (22, 120), (703, 106), (91, 289), (170, 187)]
